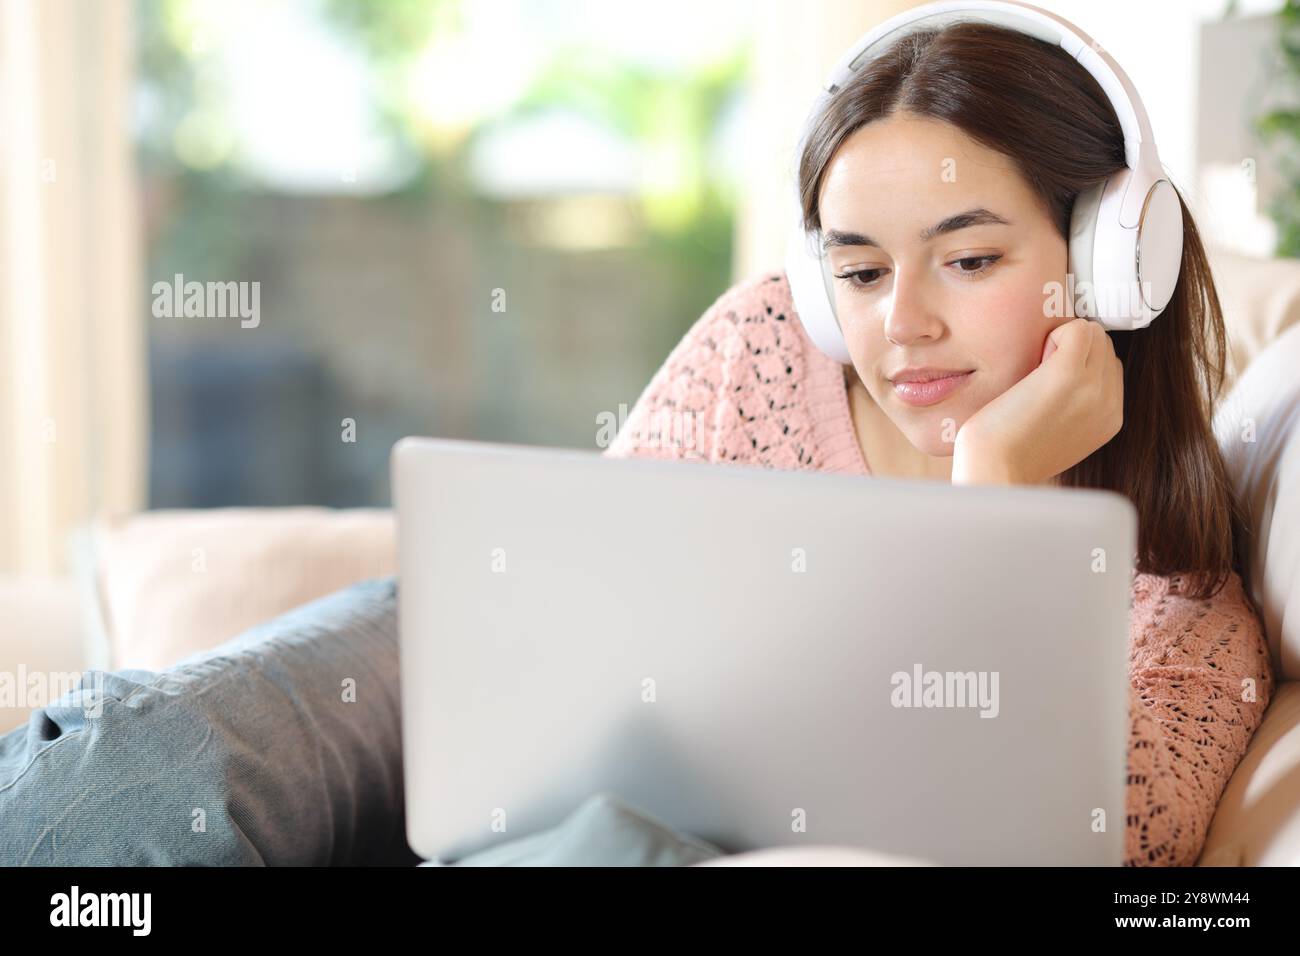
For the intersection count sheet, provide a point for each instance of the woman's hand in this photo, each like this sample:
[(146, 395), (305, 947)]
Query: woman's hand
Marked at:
[(1052, 419)]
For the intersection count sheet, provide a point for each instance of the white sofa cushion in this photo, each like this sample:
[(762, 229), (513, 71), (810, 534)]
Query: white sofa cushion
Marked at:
[(1257, 822), (1258, 819), (173, 583), (814, 856), (1258, 428)]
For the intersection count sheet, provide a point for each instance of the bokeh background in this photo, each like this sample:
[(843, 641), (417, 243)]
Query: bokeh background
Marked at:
[(382, 176)]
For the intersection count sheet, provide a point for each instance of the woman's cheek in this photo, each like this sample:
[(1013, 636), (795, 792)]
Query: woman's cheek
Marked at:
[(1011, 333)]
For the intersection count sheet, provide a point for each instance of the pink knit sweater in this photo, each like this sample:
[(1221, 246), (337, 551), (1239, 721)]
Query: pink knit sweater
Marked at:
[(746, 385)]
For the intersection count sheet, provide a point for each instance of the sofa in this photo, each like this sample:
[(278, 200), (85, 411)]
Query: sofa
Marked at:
[(149, 589)]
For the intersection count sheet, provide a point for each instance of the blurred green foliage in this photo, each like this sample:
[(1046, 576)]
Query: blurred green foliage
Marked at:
[(686, 220), (1282, 128)]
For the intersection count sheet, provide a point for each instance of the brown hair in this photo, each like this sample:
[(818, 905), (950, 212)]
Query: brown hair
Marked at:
[(1032, 102)]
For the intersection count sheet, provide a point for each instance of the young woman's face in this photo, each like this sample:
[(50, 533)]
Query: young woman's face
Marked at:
[(923, 289)]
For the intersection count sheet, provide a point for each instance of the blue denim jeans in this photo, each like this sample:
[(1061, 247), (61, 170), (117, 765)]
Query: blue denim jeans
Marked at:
[(281, 746)]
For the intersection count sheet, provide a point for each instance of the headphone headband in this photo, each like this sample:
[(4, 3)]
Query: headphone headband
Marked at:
[(1022, 18), (1139, 144)]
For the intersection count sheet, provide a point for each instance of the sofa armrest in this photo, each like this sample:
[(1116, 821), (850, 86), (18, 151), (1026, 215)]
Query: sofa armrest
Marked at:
[(41, 645)]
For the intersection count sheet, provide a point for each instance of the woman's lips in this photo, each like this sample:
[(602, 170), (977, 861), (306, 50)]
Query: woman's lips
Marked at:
[(928, 393)]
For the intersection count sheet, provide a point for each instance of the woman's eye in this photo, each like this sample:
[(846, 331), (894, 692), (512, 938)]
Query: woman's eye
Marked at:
[(969, 267), (864, 277), (982, 264)]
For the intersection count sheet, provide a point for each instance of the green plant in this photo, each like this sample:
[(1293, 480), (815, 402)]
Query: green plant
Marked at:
[(1281, 128)]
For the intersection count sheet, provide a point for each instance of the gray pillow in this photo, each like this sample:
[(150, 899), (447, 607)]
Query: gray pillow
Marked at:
[(604, 831)]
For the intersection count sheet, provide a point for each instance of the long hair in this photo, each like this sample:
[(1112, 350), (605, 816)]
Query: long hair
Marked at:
[(1032, 102)]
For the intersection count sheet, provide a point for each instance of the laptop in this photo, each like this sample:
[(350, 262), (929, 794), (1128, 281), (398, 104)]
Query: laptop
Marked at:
[(761, 658)]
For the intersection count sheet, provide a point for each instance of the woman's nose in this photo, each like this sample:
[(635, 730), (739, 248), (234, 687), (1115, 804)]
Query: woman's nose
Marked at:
[(911, 312)]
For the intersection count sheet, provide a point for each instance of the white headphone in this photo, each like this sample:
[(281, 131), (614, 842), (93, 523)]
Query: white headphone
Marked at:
[(1126, 233)]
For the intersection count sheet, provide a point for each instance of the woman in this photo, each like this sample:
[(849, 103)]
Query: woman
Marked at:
[(942, 126), (249, 753)]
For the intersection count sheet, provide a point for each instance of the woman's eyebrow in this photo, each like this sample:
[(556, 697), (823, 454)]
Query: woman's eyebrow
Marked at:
[(962, 220)]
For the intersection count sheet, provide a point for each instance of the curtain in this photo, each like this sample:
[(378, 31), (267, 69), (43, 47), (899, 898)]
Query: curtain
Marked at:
[(72, 335)]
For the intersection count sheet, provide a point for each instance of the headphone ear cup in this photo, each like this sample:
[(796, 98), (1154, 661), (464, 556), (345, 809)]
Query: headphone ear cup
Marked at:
[(809, 278), (1082, 248), (1123, 275), (1160, 246)]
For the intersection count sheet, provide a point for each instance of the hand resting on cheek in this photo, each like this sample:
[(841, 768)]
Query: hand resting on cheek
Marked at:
[(1053, 418)]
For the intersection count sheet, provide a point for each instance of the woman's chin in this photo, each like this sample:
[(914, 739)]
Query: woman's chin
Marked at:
[(935, 433), (937, 449), (930, 441)]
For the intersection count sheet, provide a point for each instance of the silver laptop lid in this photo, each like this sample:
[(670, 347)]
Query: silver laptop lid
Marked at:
[(761, 657)]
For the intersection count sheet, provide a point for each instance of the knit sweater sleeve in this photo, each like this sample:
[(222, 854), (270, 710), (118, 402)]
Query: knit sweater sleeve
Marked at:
[(678, 413), (745, 385), (1200, 679)]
